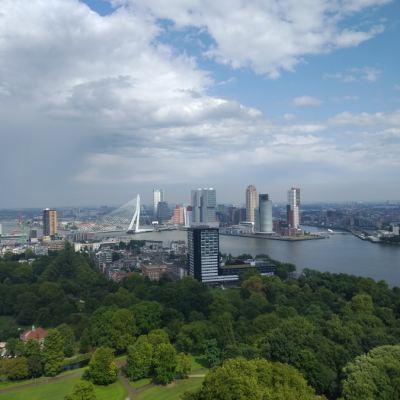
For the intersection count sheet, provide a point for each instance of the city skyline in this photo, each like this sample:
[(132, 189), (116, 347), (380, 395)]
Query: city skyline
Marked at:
[(103, 99)]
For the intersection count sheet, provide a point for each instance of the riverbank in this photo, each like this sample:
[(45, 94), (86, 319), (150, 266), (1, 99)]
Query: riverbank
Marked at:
[(299, 238)]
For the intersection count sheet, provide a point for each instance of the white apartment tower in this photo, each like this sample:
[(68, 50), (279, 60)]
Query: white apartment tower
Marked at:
[(293, 208)]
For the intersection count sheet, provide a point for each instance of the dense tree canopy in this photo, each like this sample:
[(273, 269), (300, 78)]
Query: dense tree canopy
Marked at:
[(373, 376), (240, 379), (318, 323)]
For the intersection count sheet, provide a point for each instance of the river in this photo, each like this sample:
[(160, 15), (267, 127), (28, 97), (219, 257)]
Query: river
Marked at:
[(340, 253)]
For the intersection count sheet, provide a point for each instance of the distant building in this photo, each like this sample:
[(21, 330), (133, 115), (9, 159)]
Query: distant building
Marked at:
[(204, 203), (154, 272), (163, 214), (37, 334), (178, 216), (203, 255), (54, 245), (251, 203), (158, 196), (265, 224), (49, 222), (188, 216), (293, 208)]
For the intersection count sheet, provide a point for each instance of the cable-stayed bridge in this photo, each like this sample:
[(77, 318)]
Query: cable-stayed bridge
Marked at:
[(124, 219)]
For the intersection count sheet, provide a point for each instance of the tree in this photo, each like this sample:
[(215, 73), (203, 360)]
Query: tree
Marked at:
[(212, 353), (16, 368), (165, 363), (69, 339), (53, 352), (139, 359), (147, 315), (373, 376), (239, 379), (15, 347), (33, 354), (184, 366), (83, 390), (102, 369)]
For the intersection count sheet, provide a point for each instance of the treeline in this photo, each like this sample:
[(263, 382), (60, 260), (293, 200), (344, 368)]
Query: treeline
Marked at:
[(318, 323)]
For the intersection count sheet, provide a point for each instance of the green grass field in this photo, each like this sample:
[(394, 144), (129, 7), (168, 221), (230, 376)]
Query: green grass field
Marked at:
[(58, 389), (140, 383), (170, 392)]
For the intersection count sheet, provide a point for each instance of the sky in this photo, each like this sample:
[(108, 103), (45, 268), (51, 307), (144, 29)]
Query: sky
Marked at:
[(104, 99)]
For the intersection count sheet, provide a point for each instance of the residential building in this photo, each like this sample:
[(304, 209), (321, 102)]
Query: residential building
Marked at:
[(37, 334), (293, 208), (203, 255), (178, 216), (49, 222), (251, 203), (154, 272)]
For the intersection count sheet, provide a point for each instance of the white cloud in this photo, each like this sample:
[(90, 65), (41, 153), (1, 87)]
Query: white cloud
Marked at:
[(101, 101), (268, 37), (366, 119), (368, 74), (306, 101)]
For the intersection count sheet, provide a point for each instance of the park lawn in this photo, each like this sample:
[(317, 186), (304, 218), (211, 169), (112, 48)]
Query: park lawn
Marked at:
[(170, 392), (43, 379), (199, 365), (57, 390), (140, 383)]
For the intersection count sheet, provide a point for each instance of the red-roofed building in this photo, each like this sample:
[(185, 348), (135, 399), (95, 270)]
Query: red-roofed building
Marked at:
[(34, 334)]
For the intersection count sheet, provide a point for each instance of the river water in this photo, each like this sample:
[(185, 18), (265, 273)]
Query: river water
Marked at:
[(339, 253)]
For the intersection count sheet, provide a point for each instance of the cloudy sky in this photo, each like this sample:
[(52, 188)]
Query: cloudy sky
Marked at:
[(103, 99)]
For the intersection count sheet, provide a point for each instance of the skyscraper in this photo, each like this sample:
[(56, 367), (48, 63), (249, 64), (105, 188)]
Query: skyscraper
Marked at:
[(293, 208), (204, 202), (163, 213), (265, 214), (158, 195), (49, 222), (203, 253), (251, 202)]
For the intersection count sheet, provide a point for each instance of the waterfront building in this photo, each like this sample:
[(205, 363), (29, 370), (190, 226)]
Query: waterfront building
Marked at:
[(49, 222), (293, 208), (264, 224), (204, 202), (178, 216), (203, 255), (158, 196), (163, 214), (251, 203)]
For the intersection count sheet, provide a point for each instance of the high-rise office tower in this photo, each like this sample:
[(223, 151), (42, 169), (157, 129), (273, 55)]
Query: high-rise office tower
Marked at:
[(265, 214), (158, 195), (49, 222), (293, 208), (204, 202), (251, 202), (163, 214), (203, 253)]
